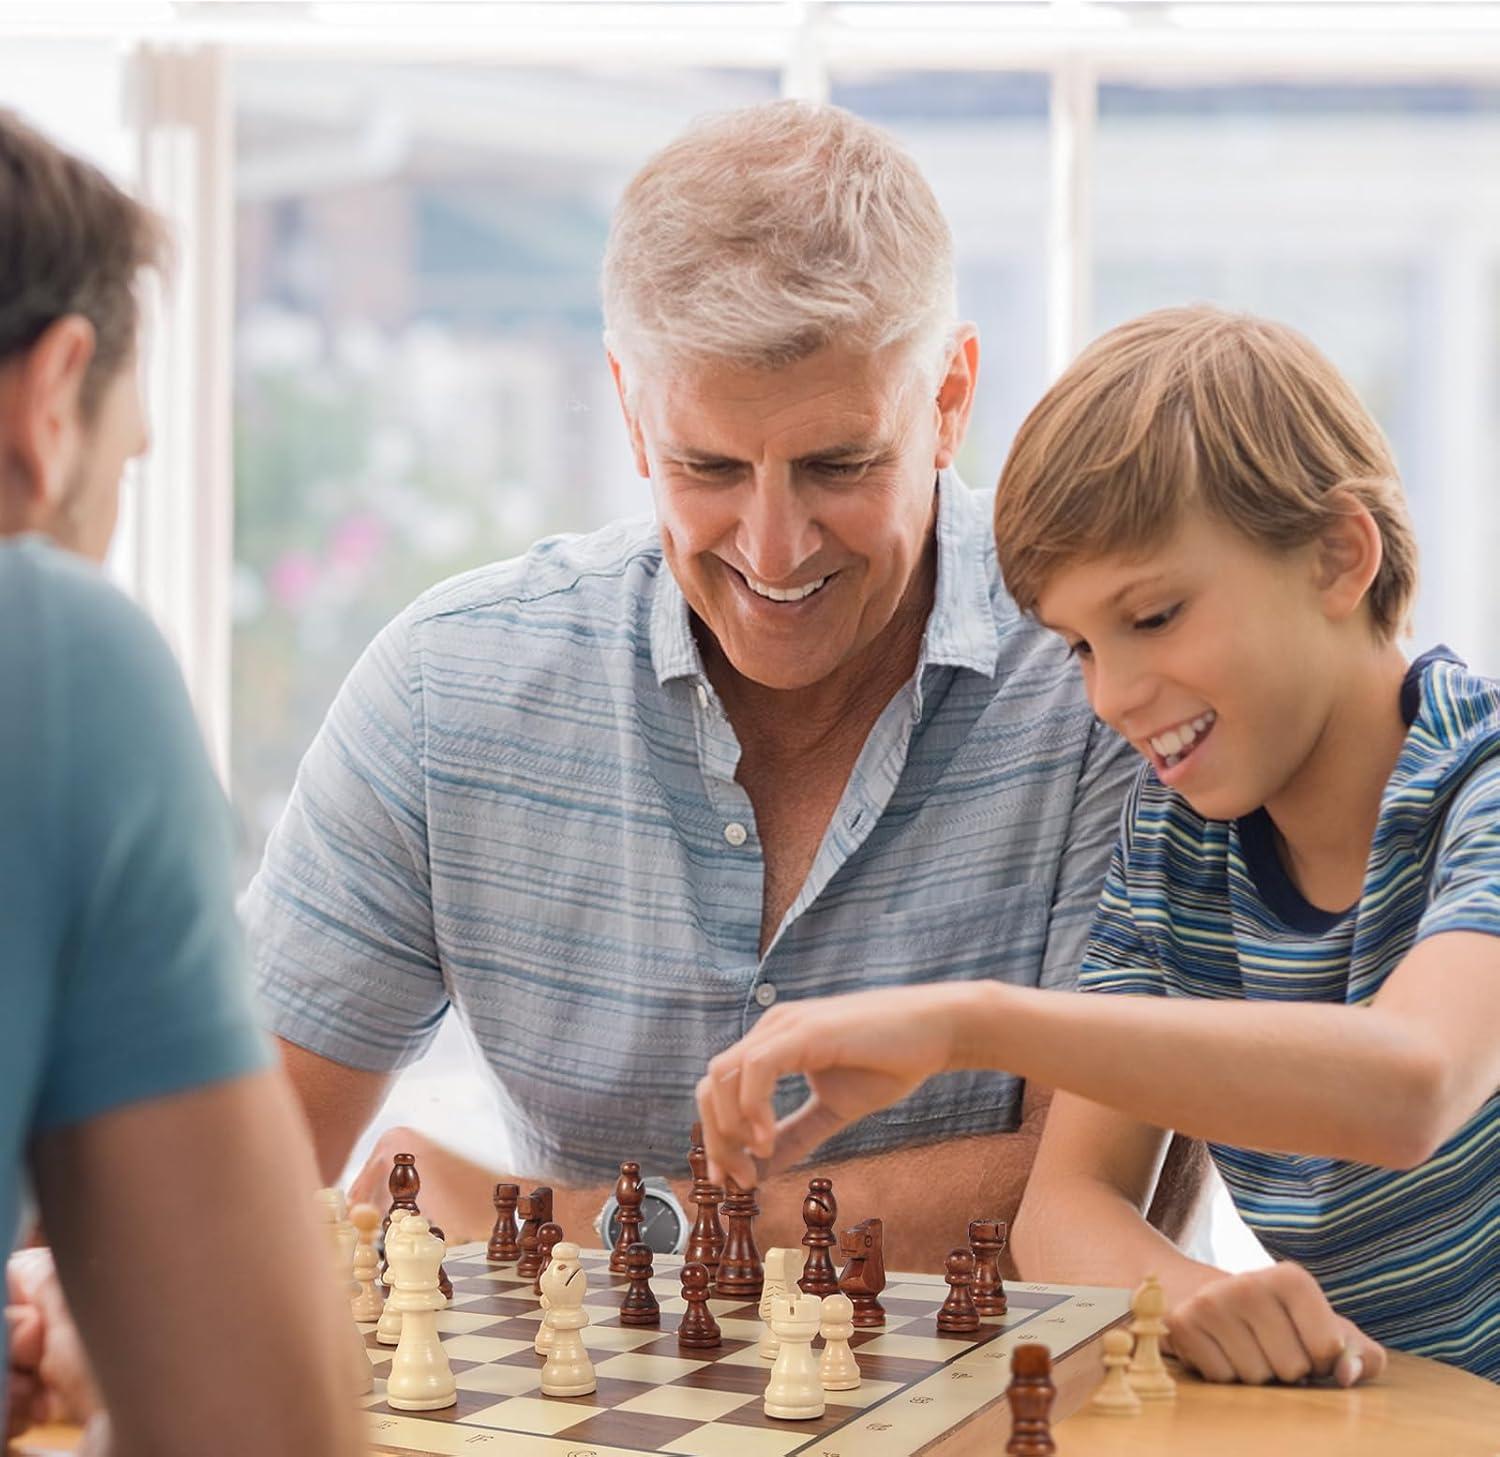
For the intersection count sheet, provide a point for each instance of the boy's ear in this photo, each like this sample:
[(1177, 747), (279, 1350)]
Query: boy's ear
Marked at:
[(1349, 555)]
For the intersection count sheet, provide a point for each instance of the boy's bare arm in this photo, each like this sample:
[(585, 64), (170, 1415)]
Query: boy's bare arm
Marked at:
[(193, 1214)]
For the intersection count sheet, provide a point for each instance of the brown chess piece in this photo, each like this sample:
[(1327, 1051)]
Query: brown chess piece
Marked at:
[(547, 1236), (987, 1241), (535, 1209), (1030, 1395), (698, 1330), (958, 1315), (445, 1285), (405, 1183), (819, 1211), (639, 1306), (629, 1191), (739, 1276), (706, 1242), (863, 1276), (503, 1248)]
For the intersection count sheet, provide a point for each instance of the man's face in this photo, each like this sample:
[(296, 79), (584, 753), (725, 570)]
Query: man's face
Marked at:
[(795, 504)]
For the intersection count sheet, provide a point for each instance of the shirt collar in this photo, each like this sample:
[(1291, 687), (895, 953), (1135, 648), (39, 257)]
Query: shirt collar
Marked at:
[(962, 631)]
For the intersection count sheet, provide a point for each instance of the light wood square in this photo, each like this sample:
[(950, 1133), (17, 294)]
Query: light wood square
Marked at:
[(457, 1323), (914, 1348), (499, 1380), (724, 1439), (534, 1414), (867, 1393), (619, 1337), (689, 1403), (656, 1370), (482, 1348)]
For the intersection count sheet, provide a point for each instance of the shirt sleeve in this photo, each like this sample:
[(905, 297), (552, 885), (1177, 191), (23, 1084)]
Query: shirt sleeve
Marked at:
[(1109, 767), (339, 917), (153, 995), (1464, 892)]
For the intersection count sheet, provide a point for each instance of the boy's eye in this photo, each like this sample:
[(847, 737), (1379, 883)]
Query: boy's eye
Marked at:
[(1079, 649), (1157, 619)]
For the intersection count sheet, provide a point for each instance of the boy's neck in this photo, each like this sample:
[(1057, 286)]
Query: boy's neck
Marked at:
[(1325, 817)]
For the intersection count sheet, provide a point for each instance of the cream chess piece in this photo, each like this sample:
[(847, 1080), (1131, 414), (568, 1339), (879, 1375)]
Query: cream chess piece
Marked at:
[(1114, 1396), (342, 1241), (795, 1390), (838, 1370), (782, 1269), (367, 1305), (568, 1371), (1148, 1375), (420, 1379), (388, 1330)]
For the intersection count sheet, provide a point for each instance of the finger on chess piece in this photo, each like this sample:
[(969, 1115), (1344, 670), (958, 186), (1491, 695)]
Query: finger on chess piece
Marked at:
[(1114, 1396)]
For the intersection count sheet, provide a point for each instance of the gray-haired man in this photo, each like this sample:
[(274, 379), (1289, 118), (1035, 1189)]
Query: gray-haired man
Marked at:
[(611, 800)]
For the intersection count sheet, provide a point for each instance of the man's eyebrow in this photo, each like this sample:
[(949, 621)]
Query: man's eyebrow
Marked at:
[(847, 450)]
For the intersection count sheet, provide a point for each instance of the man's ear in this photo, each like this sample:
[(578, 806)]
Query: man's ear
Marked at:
[(632, 422), (955, 396), (1349, 555), (41, 414)]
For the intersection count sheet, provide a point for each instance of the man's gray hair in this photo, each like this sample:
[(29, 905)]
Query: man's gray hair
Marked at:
[(768, 233)]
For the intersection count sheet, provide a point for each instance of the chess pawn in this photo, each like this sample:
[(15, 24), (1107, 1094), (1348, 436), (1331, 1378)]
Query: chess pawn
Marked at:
[(795, 1390), (838, 1370), (629, 1191), (697, 1330), (1030, 1395), (780, 1270), (343, 1240), (367, 1305), (420, 1378), (987, 1241), (388, 1330), (639, 1307), (1148, 1374), (820, 1210), (1114, 1397), (958, 1315), (568, 1371), (503, 1248), (547, 1239)]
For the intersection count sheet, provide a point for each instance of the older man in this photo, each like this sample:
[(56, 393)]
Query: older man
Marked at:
[(611, 800)]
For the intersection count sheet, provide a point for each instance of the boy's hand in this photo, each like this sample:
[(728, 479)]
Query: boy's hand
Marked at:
[(1271, 1325), (859, 1053), (50, 1379)]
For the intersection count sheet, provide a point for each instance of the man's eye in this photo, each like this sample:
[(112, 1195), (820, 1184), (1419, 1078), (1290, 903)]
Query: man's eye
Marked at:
[(711, 468), (841, 469)]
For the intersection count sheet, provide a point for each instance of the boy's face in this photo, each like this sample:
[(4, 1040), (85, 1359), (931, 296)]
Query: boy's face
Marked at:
[(1210, 654)]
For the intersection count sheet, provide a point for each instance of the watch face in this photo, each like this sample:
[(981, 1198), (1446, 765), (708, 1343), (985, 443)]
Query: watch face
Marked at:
[(660, 1227)]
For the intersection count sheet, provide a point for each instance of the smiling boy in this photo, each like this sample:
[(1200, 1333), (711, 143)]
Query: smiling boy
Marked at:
[(1299, 928)]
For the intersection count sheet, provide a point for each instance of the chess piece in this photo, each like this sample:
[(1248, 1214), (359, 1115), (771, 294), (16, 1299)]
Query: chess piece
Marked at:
[(819, 1211), (445, 1285), (629, 1191), (698, 1330), (504, 1248), (568, 1371), (343, 1240), (958, 1315), (706, 1241), (367, 1305), (863, 1276), (547, 1238), (388, 1328), (739, 1276), (987, 1241), (535, 1209), (404, 1183), (420, 1378), (838, 1370), (779, 1273), (639, 1306), (1030, 1395), (1114, 1397), (1148, 1374), (795, 1390)]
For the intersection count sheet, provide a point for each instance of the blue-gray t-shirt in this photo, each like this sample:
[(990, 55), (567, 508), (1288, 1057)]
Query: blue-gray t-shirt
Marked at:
[(121, 973)]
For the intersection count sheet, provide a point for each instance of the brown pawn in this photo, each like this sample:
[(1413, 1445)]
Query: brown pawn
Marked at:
[(547, 1237), (958, 1315), (639, 1306), (503, 1247), (739, 1276), (629, 1191), (987, 1240), (706, 1242), (863, 1275), (1030, 1395), (819, 1211), (536, 1209), (698, 1330), (445, 1285)]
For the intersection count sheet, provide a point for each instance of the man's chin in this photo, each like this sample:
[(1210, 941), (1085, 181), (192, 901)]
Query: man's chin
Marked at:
[(779, 675)]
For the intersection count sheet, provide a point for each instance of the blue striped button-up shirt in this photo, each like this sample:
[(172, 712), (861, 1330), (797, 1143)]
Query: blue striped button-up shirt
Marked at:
[(523, 807)]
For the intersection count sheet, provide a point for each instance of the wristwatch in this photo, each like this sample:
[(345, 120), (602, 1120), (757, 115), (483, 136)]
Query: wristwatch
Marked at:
[(664, 1225)]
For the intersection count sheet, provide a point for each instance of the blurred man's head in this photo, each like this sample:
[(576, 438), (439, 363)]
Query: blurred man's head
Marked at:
[(72, 247), (779, 312)]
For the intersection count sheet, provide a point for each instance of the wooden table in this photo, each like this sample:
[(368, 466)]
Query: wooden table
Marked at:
[(1418, 1409)]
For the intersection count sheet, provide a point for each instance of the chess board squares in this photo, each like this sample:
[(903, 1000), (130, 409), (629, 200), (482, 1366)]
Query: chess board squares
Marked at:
[(931, 1347), (391, 1433), (686, 1403), (462, 1322), (467, 1408), (541, 1416), (654, 1370), (724, 1440)]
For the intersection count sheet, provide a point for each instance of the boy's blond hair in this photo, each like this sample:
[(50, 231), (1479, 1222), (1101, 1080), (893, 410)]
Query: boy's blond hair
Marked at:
[(1197, 404)]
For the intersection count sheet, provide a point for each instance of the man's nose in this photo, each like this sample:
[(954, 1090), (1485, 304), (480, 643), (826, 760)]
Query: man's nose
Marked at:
[(777, 533)]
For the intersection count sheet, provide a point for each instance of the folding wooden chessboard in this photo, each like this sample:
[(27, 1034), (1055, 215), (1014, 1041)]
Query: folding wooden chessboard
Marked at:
[(923, 1391)]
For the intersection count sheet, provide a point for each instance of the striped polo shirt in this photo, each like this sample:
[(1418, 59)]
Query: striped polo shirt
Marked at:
[(1203, 908), (522, 807)]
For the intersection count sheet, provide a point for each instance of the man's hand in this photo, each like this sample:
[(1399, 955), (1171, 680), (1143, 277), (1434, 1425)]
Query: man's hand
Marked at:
[(859, 1053), (1272, 1324), (456, 1195), (50, 1379)]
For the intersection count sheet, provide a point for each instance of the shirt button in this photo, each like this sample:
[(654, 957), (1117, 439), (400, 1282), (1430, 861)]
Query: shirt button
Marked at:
[(765, 994), (702, 696), (735, 833)]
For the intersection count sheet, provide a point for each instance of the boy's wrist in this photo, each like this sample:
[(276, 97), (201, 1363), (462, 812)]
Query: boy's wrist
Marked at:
[(977, 1015)]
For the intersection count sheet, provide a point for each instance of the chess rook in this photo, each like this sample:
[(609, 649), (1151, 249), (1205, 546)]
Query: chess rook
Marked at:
[(958, 1315), (863, 1276), (819, 1212), (629, 1191), (698, 1330), (1030, 1395), (795, 1391), (987, 1241), (739, 1275), (504, 1247)]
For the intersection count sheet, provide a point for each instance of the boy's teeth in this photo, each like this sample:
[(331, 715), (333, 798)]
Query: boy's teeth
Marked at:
[(784, 594), (1183, 737)]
